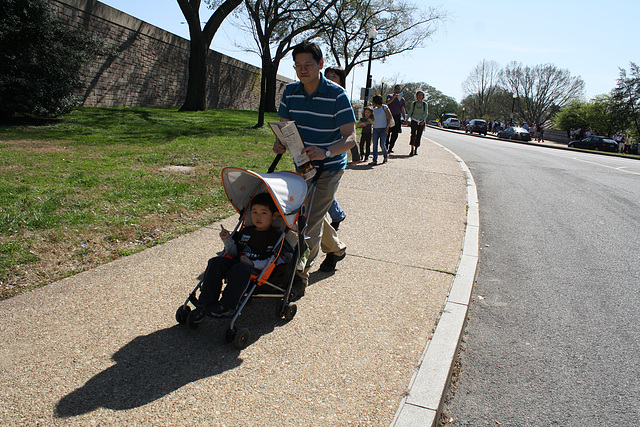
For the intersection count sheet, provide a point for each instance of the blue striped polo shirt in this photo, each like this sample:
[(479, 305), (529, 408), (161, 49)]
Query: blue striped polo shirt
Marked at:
[(319, 116)]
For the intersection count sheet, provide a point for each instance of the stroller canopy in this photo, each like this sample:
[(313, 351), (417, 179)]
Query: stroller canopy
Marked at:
[(288, 190)]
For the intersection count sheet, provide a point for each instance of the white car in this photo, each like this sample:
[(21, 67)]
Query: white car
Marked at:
[(451, 123)]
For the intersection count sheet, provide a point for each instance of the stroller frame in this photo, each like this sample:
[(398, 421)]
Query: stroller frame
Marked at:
[(286, 308)]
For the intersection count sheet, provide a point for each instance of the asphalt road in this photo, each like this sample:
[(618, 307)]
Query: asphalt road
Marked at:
[(553, 336)]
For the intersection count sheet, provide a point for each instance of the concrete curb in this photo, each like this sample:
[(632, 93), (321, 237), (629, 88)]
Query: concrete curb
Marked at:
[(428, 387)]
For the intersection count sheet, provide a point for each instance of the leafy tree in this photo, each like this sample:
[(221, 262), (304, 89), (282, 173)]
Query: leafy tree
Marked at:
[(40, 59), (196, 99), (601, 115), (277, 26), (571, 116), (626, 96)]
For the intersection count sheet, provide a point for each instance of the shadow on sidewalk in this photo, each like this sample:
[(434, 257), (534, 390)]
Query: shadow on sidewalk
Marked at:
[(155, 365)]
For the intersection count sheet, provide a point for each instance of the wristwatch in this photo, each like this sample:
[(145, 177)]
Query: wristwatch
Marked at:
[(327, 154)]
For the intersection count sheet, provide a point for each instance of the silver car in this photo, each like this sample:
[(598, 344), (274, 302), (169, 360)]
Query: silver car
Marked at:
[(451, 123)]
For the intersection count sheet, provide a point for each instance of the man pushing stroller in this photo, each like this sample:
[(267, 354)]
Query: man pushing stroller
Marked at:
[(326, 122)]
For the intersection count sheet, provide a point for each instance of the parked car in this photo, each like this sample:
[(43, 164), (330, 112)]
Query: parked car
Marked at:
[(598, 143), (477, 126), (515, 132), (451, 123), (435, 123)]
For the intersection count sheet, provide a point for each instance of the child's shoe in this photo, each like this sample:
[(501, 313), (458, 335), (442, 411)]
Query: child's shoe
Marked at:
[(218, 310)]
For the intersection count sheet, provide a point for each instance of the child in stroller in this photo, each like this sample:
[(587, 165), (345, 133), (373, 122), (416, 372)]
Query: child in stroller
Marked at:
[(271, 206), (247, 253)]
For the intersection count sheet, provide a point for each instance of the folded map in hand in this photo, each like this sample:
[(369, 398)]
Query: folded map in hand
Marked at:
[(288, 134)]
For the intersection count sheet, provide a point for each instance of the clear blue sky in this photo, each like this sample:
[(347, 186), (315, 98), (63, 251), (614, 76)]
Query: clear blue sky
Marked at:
[(591, 39)]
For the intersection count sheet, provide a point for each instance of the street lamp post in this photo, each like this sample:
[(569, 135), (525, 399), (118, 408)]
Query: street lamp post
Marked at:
[(373, 33), (513, 104), (426, 100)]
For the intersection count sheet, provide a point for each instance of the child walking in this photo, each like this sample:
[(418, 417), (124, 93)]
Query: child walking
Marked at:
[(365, 124), (382, 118), (248, 251)]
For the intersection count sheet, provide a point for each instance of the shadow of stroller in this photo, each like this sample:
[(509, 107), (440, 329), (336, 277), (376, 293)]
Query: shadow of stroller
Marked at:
[(155, 365)]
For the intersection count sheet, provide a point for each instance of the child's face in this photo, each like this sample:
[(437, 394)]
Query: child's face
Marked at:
[(367, 113), (262, 217)]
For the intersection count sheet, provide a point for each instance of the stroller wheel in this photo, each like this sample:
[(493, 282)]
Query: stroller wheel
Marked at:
[(192, 319), (182, 313), (230, 335), (290, 311), (241, 339)]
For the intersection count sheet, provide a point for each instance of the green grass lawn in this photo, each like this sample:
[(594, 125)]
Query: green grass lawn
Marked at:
[(94, 185)]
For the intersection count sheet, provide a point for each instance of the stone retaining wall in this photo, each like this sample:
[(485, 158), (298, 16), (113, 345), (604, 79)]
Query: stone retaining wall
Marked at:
[(149, 67)]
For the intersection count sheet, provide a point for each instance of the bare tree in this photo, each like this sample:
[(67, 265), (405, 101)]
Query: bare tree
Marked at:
[(199, 47), (402, 26), (277, 26), (480, 87), (541, 90)]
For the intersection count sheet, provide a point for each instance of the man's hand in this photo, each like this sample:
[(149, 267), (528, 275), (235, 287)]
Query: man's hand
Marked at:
[(278, 147), (314, 153)]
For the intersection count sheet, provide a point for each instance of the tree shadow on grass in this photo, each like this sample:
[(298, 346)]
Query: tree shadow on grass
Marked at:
[(155, 365)]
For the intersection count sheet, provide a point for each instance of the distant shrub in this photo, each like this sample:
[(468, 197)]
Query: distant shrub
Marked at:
[(40, 59)]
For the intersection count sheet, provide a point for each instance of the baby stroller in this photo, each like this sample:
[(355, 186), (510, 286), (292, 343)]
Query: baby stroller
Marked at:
[(289, 191)]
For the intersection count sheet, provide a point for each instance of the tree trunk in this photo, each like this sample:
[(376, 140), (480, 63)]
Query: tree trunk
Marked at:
[(196, 99), (261, 108), (270, 75), (268, 83)]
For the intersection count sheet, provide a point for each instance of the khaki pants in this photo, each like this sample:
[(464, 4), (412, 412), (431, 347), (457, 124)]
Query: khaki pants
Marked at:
[(320, 234)]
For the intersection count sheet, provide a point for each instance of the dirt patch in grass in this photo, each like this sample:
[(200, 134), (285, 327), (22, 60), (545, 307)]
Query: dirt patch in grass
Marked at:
[(37, 146)]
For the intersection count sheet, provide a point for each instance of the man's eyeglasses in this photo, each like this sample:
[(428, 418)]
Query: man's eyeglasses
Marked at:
[(302, 67)]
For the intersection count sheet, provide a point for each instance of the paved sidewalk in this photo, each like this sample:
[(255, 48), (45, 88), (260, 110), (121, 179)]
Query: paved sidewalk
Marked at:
[(103, 347)]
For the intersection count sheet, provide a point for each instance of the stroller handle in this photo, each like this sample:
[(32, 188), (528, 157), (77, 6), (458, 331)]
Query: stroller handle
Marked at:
[(275, 162)]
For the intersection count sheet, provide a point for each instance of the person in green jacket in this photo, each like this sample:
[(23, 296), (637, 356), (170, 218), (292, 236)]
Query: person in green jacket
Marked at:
[(418, 115)]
